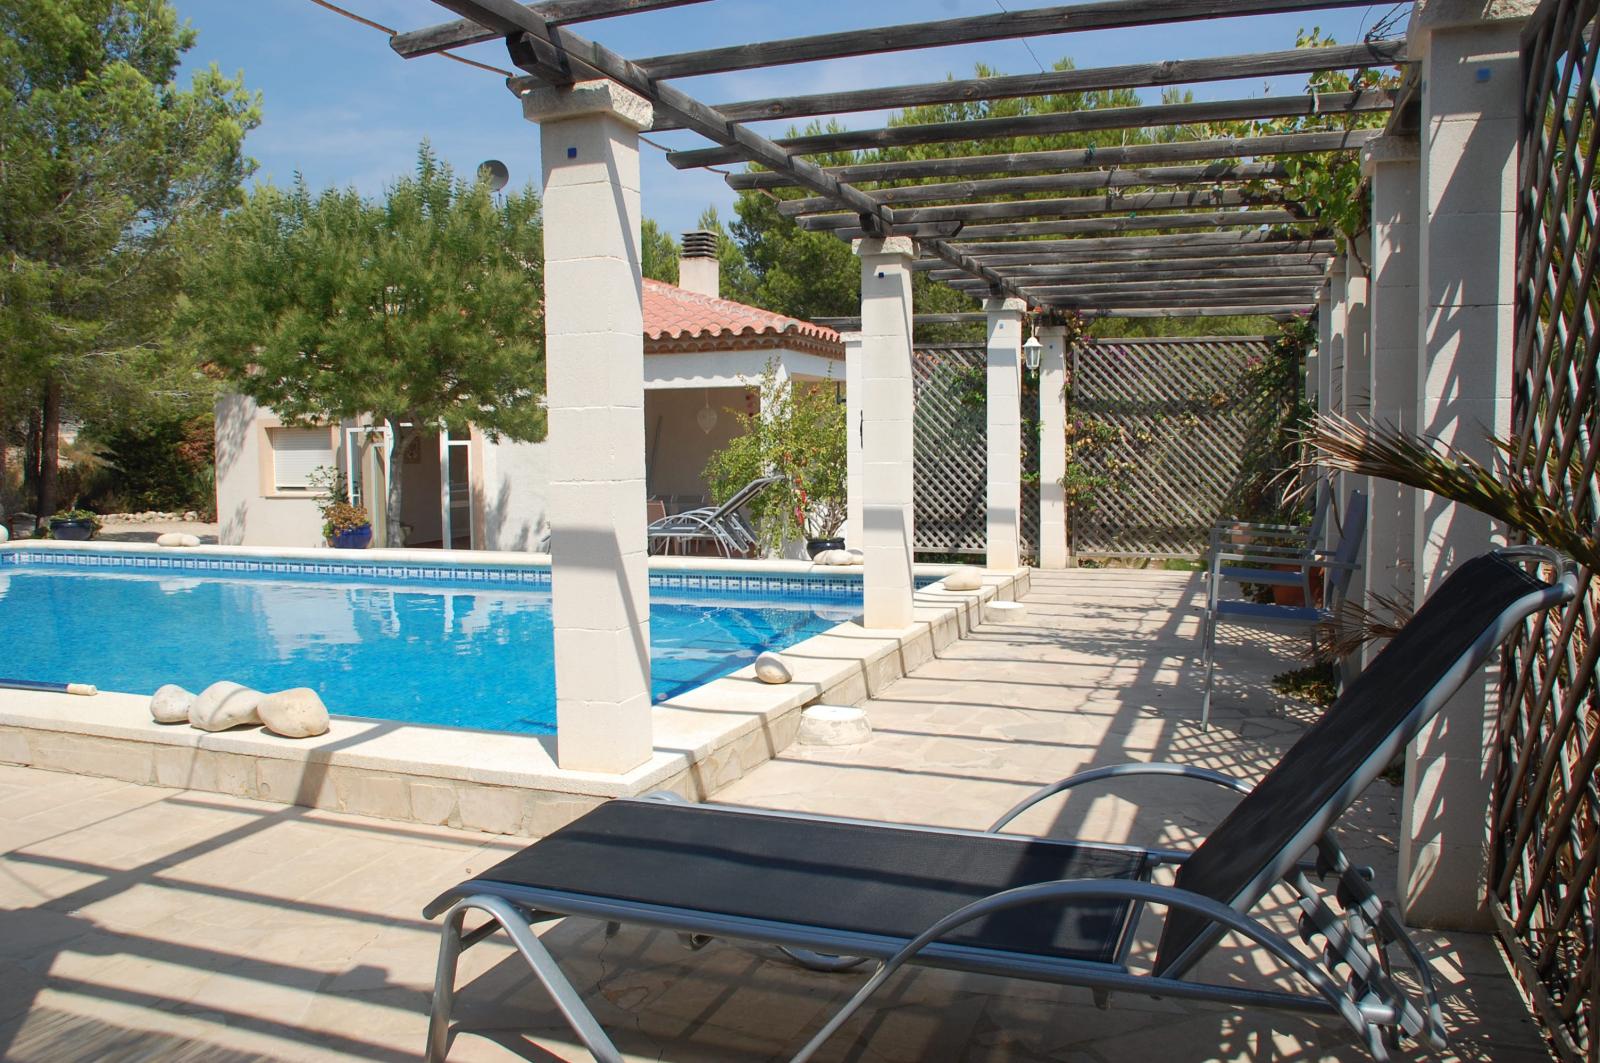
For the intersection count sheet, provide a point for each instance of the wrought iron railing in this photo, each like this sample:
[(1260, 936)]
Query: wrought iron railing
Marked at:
[(1545, 819)]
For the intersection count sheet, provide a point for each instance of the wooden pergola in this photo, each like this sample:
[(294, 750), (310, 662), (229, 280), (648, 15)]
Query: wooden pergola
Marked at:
[(1178, 228)]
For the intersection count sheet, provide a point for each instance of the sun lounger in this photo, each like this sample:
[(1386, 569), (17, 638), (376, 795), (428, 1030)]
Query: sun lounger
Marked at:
[(722, 526), (825, 888)]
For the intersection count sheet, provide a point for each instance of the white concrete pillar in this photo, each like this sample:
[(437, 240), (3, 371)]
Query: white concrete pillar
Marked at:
[(1324, 343), (1004, 405), (852, 454), (1052, 446), (1468, 182), (1357, 400), (594, 351), (888, 519), (1335, 377), (1390, 164)]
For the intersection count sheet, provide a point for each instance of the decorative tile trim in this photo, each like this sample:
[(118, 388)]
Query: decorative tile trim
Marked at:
[(841, 586)]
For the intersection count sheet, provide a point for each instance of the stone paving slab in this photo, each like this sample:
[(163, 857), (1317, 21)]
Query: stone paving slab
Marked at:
[(146, 923)]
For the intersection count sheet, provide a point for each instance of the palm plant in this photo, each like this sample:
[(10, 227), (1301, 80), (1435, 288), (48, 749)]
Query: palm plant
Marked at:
[(1539, 508)]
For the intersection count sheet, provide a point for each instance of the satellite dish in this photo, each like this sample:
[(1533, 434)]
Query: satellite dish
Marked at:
[(495, 173)]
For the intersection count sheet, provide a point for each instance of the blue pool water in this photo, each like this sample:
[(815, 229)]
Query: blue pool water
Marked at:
[(459, 653)]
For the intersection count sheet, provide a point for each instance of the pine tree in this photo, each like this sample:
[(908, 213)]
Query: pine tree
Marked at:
[(421, 310)]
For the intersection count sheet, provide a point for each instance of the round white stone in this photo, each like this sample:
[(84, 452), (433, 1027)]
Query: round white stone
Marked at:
[(965, 578), (770, 668), (185, 539), (170, 704), (830, 557), (857, 557), (169, 539), (224, 705), (5, 533), (296, 713), (833, 725), (1005, 612)]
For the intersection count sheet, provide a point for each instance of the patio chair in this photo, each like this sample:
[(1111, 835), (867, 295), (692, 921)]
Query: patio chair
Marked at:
[(722, 526), (1298, 538), (1229, 565), (834, 891)]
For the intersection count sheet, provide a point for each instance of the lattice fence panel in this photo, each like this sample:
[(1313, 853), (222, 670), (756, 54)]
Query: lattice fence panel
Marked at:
[(1545, 817), (951, 436), (1182, 420)]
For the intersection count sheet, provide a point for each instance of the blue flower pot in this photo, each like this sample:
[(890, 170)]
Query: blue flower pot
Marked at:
[(354, 538), (76, 531)]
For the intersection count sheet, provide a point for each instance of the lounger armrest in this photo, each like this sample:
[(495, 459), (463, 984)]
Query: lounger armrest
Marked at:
[(1067, 891), (1120, 771)]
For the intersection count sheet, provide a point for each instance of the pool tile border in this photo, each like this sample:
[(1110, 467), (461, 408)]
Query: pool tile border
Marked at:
[(842, 584)]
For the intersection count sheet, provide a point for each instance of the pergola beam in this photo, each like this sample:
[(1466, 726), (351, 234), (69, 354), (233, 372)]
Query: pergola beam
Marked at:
[(1094, 79), (1220, 148), (465, 31), (1073, 18), (1049, 265), (1072, 206), (1076, 226), (1213, 173), (1133, 272), (1097, 119), (1230, 243)]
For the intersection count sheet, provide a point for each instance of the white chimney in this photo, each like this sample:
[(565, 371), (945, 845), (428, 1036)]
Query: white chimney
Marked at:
[(698, 267)]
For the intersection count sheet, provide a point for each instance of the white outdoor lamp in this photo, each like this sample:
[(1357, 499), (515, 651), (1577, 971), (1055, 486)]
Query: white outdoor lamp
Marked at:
[(1032, 350)]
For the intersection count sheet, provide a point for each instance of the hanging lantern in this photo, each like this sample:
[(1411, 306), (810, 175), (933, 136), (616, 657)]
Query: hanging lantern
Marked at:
[(1032, 350), (706, 417)]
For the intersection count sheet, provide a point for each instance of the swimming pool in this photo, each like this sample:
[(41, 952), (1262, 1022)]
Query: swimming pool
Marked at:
[(442, 645)]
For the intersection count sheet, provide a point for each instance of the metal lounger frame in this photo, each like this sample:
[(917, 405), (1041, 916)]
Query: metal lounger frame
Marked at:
[(717, 524), (1380, 1011)]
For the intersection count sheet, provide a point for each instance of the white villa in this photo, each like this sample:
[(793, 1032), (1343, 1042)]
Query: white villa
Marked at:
[(704, 357)]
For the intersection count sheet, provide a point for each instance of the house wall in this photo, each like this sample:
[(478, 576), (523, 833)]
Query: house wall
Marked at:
[(701, 369), (676, 450), (249, 511), (511, 496)]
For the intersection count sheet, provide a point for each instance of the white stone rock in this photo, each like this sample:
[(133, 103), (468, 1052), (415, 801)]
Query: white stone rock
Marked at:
[(5, 533), (224, 705), (170, 704), (770, 668), (176, 539), (833, 557), (965, 578), (1005, 612), (188, 540), (857, 557), (296, 713), (833, 725)]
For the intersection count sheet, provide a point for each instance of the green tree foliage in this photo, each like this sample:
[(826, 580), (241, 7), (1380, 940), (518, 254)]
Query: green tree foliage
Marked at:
[(799, 434), (658, 252), (109, 171), (420, 309)]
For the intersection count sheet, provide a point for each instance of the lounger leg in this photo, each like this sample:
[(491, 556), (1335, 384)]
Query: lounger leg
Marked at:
[(1209, 656), (544, 966)]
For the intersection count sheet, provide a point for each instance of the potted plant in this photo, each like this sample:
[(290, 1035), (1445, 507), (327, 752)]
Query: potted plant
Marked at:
[(74, 525), (346, 527)]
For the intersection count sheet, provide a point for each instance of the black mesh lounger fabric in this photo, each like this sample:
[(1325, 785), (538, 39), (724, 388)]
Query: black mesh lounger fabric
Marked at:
[(1333, 749), (859, 878)]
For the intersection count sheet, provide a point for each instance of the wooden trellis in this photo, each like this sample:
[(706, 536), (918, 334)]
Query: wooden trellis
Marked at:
[(1545, 819), (1185, 420), (1181, 419)]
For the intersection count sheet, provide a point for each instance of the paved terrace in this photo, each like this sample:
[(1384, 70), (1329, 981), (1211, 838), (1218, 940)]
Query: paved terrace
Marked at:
[(138, 922)]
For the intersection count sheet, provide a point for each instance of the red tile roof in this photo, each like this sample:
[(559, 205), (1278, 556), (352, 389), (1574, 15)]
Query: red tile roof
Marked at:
[(674, 317)]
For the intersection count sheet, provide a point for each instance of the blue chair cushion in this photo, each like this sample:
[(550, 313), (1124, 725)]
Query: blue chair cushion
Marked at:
[(1267, 613)]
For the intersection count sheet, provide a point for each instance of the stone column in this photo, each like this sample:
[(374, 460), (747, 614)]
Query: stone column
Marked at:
[(1470, 68), (594, 351), (888, 520), (1004, 405), (1052, 447), (852, 455), (1390, 164), (1324, 343), (1357, 391)]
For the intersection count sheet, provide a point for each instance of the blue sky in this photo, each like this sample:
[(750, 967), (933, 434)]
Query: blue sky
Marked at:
[(343, 109)]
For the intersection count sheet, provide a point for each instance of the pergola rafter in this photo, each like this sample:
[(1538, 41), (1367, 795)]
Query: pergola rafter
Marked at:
[(1195, 216)]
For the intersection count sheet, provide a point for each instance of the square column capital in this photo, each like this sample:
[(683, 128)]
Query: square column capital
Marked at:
[(1391, 148), (1050, 332), (871, 246), (588, 99), (1005, 306), (851, 339)]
